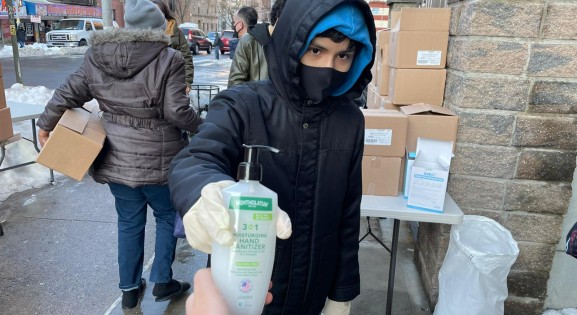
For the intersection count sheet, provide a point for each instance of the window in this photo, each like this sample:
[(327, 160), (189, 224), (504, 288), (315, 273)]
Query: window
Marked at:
[(88, 26)]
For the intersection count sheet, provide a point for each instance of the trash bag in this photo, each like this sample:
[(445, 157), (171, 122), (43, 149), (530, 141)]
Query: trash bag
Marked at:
[(473, 277)]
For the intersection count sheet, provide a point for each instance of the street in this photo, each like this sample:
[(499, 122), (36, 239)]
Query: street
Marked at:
[(51, 71)]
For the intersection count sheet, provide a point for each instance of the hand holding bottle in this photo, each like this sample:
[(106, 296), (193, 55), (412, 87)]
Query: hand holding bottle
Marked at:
[(208, 220)]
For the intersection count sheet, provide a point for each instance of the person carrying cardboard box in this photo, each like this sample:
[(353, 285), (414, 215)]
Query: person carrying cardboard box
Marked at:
[(139, 83)]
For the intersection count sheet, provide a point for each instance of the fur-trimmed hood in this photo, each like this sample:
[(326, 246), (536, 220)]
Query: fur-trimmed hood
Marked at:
[(122, 53), (118, 35)]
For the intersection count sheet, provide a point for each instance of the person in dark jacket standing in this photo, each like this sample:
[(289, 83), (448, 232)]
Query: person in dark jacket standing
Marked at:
[(319, 59), (218, 44), (139, 84), (177, 41), (21, 36), (249, 63)]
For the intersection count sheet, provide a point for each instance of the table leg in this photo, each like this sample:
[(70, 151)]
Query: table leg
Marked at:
[(370, 232), (391, 285)]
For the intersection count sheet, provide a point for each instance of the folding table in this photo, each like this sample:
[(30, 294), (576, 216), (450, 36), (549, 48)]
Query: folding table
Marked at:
[(396, 208)]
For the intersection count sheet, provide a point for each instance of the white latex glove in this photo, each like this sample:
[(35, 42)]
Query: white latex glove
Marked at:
[(336, 308), (208, 220)]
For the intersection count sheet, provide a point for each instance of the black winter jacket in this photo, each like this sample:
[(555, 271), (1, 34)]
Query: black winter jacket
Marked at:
[(316, 174), (138, 82)]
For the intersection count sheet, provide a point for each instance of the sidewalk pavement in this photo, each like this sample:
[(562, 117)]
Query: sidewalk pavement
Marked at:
[(58, 256)]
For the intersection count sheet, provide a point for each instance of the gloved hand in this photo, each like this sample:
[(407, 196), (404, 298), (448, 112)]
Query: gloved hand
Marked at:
[(336, 308), (208, 220)]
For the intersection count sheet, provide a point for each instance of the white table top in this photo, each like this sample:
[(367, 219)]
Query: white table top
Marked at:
[(23, 111), (396, 208)]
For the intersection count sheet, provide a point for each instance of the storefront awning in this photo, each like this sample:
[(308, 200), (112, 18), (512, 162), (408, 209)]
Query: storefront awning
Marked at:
[(44, 8)]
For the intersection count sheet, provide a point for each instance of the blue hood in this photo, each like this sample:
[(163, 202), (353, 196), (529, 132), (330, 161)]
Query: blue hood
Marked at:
[(348, 19)]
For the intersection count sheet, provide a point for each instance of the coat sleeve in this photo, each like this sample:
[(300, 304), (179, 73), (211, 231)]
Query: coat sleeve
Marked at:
[(347, 282), (212, 155), (73, 93), (176, 104), (240, 67), (187, 56)]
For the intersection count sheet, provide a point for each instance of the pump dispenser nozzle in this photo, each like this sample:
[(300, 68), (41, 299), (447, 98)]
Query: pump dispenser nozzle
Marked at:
[(250, 169)]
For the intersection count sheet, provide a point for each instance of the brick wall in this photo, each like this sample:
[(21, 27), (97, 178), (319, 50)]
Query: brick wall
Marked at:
[(512, 78)]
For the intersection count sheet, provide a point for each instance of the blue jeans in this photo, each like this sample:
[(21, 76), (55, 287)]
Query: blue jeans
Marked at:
[(131, 206)]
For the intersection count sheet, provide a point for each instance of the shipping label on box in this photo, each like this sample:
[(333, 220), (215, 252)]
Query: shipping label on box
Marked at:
[(429, 175), (429, 121), (385, 131), (429, 57), (381, 175), (75, 142), (418, 50), (6, 130)]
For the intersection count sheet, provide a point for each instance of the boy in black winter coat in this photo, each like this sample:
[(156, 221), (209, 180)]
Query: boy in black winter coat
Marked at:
[(319, 58)]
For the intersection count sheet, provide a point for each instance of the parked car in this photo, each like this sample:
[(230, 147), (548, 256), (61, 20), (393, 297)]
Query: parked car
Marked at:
[(226, 36), (212, 35), (73, 32), (197, 39)]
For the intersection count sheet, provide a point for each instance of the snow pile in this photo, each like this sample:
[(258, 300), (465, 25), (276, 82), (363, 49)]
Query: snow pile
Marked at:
[(22, 151), (37, 49)]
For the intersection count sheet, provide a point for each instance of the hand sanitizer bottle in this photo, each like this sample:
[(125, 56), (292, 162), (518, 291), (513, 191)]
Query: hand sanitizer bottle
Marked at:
[(242, 272)]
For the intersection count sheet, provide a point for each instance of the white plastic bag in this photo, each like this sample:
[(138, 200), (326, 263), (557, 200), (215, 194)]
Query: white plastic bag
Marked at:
[(473, 277)]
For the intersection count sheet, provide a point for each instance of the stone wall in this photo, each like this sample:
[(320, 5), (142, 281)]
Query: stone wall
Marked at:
[(512, 79)]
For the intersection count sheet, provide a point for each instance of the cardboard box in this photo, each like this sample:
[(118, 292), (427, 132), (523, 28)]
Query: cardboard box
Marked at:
[(6, 130), (429, 175), (2, 92), (381, 175), (372, 97), (383, 38), (418, 49), (385, 103), (75, 142), (410, 86), (421, 19), (383, 72), (383, 42), (394, 16), (385, 132), (429, 121)]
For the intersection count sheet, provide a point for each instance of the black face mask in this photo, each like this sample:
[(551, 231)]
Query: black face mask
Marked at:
[(235, 33), (320, 82)]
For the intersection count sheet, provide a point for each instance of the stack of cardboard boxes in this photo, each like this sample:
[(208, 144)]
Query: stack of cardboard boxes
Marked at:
[(405, 97), (6, 130)]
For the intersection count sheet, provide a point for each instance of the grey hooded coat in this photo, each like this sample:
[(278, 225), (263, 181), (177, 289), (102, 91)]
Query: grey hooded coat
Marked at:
[(139, 84)]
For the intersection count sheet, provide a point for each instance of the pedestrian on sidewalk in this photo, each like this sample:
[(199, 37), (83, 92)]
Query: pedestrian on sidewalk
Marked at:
[(21, 36), (217, 46), (319, 59), (139, 83)]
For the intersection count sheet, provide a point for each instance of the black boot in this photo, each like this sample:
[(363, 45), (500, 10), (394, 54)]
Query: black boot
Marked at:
[(130, 298), (168, 290)]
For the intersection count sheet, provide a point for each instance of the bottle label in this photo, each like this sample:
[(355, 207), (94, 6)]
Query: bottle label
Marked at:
[(250, 203)]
